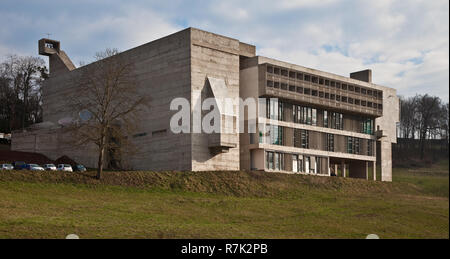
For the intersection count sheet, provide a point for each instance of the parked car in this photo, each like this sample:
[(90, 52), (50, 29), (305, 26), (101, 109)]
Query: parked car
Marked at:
[(64, 167), (6, 167), (34, 167), (19, 165), (50, 167), (79, 168)]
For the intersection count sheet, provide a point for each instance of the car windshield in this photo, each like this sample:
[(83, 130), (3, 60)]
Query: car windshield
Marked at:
[(34, 165)]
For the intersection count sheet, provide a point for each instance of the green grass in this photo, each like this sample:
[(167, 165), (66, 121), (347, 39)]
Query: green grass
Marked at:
[(223, 205)]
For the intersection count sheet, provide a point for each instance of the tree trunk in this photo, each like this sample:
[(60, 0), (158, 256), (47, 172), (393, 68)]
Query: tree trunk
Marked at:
[(100, 157), (422, 144), (100, 163)]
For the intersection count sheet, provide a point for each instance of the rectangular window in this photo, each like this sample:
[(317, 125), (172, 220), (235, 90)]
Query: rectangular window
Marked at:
[(270, 160), (308, 116), (305, 138), (277, 161), (330, 142), (274, 135), (325, 119), (314, 117), (295, 163), (318, 165), (350, 145), (307, 78), (307, 164), (353, 145), (261, 136), (280, 111), (297, 138), (357, 145)]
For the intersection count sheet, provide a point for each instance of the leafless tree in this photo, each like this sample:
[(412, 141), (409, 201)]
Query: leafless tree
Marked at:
[(21, 79), (428, 112), (408, 117), (107, 103)]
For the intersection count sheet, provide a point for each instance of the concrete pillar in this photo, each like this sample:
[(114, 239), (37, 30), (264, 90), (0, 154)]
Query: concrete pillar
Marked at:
[(343, 168), (386, 160), (367, 170), (336, 169), (328, 166), (374, 169)]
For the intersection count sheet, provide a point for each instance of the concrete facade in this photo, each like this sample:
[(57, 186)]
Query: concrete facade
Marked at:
[(195, 64)]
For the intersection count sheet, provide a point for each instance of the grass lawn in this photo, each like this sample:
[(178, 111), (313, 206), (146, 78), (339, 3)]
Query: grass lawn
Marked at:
[(223, 205)]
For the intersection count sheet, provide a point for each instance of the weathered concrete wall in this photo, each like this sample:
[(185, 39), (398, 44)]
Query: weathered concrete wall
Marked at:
[(215, 56), (162, 69), (53, 144), (249, 89)]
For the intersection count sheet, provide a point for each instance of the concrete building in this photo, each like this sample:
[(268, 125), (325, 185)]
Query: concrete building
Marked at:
[(320, 123)]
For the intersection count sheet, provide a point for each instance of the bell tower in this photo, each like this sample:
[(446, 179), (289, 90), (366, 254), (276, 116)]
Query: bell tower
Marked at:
[(59, 62)]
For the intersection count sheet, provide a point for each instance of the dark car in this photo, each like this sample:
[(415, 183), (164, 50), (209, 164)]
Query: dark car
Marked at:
[(19, 165), (79, 168)]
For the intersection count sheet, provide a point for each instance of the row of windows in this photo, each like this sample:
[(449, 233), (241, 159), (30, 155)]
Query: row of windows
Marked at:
[(274, 134), (304, 115), (275, 161), (321, 94), (333, 120), (367, 126), (353, 145), (300, 163), (275, 110), (296, 75), (301, 139)]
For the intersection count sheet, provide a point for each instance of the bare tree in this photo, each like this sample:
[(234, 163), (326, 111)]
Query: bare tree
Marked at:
[(108, 103), (21, 83), (428, 112), (408, 117)]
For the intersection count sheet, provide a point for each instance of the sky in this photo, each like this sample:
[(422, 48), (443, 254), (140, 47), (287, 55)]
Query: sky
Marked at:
[(404, 42)]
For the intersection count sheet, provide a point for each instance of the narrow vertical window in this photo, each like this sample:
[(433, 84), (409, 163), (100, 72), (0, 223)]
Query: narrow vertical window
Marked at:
[(314, 117)]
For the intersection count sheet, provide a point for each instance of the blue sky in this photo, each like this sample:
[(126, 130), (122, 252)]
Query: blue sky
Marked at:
[(404, 42)]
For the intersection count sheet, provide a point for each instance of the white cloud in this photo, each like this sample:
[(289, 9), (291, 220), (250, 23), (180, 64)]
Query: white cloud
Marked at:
[(290, 4), (405, 43)]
